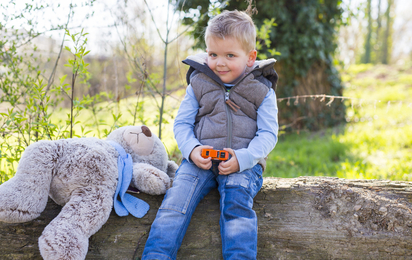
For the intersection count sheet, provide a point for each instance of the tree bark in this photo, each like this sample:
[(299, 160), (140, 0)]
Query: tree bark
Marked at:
[(387, 36), (299, 218), (368, 44)]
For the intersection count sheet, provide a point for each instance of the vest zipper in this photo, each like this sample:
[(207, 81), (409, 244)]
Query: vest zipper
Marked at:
[(228, 112), (229, 122)]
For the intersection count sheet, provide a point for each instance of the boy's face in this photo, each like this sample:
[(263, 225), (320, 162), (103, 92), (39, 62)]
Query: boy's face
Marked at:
[(227, 58)]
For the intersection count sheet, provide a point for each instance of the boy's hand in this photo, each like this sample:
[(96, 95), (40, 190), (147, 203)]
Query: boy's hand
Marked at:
[(230, 166), (196, 157)]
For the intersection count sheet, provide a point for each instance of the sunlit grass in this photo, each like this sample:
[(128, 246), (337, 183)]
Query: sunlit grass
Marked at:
[(376, 143), (97, 124), (306, 154), (88, 124)]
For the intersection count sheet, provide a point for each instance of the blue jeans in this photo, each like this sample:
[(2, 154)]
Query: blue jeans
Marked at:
[(238, 221)]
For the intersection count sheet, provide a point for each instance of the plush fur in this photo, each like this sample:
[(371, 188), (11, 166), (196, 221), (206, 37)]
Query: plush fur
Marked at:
[(81, 175)]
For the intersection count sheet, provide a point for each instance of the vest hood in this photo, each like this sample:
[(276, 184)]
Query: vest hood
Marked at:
[(263, 68)]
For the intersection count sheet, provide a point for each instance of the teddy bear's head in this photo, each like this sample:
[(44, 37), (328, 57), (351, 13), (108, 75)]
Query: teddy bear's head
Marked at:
[(134, 139), (144, 147)]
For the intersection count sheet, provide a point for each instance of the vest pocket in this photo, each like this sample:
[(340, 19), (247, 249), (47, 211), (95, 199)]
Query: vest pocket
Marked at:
[(179, 196)]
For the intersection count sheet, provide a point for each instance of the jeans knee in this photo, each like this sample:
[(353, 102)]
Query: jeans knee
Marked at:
[(238, 209), (247, 182), (180, 195)]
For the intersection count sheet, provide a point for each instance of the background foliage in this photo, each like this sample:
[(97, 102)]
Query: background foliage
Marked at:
[(52, 87), (303, 41), (376, 143), (34, 106)]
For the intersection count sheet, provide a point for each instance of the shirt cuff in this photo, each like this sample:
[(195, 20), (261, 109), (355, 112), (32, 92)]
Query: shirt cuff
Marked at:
[(244, 159), (189, 148)]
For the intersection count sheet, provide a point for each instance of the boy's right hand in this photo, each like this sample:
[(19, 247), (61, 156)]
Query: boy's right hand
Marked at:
[(196, 157)]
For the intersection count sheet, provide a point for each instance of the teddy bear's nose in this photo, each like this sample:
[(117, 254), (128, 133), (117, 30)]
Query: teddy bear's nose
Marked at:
[(146, 131)]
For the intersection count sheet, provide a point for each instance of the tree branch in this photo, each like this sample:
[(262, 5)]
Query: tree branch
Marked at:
[(157, 28), (51, 78)]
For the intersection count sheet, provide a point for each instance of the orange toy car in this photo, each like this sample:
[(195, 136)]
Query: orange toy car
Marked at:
[(220, 155)]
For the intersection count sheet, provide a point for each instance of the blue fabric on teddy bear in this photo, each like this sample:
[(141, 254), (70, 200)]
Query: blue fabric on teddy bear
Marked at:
[(127, 203)]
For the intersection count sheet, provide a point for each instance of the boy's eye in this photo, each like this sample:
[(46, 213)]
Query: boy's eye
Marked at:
[(231, 55), (212, 55)]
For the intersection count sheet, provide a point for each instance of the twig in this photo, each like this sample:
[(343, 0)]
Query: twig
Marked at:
[(332, 98), (157, 28), (51, 78), (137, 64), (294, 122)]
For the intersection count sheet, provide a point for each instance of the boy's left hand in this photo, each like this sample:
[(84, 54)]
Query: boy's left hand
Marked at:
[(229, 166)]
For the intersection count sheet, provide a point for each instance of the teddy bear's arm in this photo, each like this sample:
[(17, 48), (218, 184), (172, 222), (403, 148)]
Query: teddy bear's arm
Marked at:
[(24, 197), (150, 179)]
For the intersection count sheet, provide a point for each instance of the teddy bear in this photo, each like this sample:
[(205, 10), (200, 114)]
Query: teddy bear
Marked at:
[(88, 177)]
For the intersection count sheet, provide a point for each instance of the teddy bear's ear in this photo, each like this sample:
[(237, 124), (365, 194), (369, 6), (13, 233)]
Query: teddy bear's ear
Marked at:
[(140, 139)]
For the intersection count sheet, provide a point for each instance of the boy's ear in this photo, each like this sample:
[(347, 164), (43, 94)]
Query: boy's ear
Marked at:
[(252, 58)]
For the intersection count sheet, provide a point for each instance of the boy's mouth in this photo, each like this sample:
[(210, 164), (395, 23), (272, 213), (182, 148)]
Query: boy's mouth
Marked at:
[(222, 72)]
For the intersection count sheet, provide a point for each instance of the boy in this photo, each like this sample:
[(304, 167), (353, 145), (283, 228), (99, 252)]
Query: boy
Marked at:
[(230, 105)]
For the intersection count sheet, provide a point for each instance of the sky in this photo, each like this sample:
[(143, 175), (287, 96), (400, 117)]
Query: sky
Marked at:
[(104, 14), (100, 24)]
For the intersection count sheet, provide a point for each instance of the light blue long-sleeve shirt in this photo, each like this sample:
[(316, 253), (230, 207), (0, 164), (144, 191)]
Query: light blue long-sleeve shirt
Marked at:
[(259, 147)]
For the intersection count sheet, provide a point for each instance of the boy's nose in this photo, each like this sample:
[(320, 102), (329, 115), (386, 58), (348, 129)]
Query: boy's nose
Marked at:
[(220, 63)]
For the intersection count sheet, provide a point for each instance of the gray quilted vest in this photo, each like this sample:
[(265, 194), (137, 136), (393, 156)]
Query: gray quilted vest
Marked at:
[(228, 119)]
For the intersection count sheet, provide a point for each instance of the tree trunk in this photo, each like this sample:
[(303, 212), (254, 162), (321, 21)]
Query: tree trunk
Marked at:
[(387, 37), (300, 218), (378, 39), (305, 112), (368, 44)]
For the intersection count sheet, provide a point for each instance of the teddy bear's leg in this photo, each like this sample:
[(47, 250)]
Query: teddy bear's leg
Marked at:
[(149, 179), (24, 197), (171, 168), (67, 236)]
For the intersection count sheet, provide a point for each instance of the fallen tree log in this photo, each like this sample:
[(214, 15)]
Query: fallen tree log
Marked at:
[(300, 218)]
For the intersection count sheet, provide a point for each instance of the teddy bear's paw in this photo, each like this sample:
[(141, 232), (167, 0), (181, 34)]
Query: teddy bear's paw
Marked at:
[(19, 203), (171, 168), (149, 179), (62, 244), (17, 215)]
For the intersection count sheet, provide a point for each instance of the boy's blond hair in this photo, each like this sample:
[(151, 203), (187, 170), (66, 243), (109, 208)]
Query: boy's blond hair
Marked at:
[(234, 24)]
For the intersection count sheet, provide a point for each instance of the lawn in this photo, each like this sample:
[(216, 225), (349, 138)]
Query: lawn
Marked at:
[(376, 141)]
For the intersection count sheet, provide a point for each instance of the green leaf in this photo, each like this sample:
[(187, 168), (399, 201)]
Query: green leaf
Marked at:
[(62, 78)]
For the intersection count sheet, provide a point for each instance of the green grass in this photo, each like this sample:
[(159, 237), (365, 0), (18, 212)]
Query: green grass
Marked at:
[(105, 120), (306, 154), (376, 142), (86, 127)]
